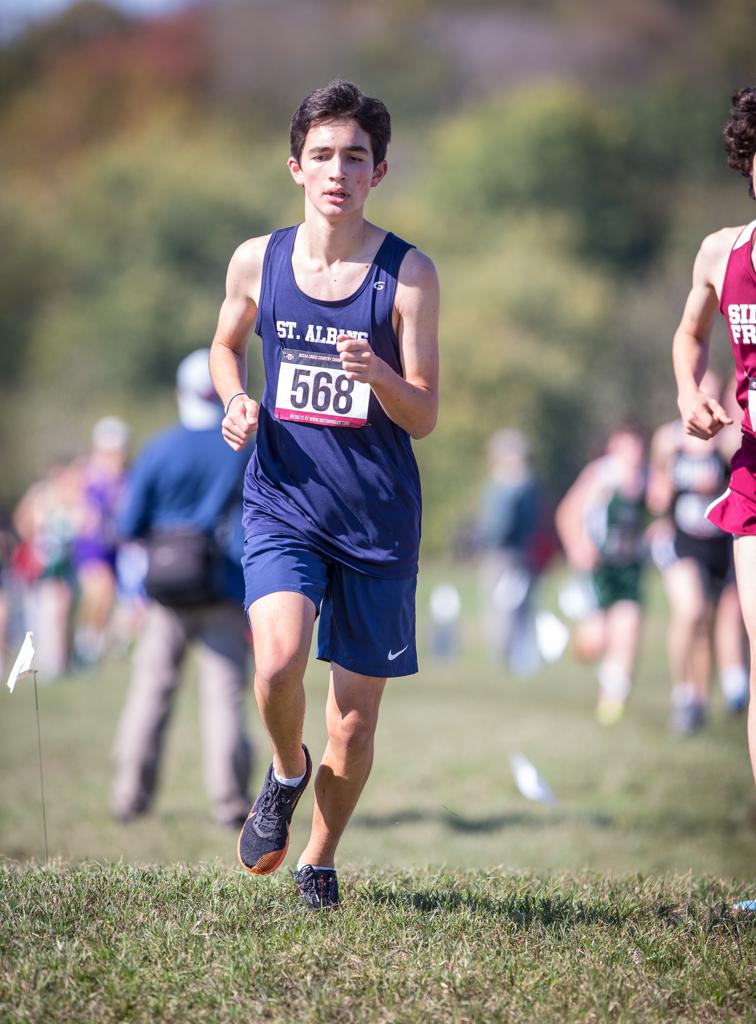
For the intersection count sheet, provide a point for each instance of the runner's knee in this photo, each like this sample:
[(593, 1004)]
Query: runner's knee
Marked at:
[(276, 674), (353, 732)]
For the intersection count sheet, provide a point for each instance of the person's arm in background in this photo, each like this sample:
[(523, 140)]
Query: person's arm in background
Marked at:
[(570, 519), (228, 352), (660, 489), (702, 415), (134, 516)]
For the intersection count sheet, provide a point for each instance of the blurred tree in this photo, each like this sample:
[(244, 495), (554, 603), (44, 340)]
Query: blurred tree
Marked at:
[(550, 148), (147, 229), (563, 214)]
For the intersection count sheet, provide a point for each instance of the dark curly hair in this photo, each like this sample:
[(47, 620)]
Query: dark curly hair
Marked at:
[(740, 134), (338, 101)]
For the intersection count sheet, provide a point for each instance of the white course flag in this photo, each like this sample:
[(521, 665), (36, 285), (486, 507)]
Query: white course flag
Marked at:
[(23, 663), (529, 781)]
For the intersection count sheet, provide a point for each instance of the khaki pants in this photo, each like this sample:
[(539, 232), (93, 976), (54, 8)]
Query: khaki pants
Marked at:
[(220, 633)]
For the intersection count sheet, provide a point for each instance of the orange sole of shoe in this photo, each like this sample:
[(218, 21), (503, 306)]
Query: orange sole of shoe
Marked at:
[(269, 868)]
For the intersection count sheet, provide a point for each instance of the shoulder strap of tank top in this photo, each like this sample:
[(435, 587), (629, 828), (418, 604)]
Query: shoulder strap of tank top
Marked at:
[(275, 243), (388, 260), (745, 235)]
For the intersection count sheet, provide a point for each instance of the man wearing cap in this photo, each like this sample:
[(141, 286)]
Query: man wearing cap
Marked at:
[(184, 496)]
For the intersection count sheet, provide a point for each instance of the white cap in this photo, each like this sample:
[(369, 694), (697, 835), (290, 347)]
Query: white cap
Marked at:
[(110, 434), (198, 404)]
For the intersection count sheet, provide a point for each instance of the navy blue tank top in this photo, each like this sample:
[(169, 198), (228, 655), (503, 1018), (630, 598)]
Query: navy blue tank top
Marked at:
[(352, 492)]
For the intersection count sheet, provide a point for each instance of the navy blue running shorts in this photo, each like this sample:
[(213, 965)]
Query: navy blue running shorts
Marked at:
[(367, 623)]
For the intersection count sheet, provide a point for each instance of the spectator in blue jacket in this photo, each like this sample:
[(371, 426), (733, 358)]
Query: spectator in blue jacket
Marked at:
[(184, 501)]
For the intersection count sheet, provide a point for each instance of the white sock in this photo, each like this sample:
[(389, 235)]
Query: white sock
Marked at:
[(734, 682), (614, 681), (315, 867), (292, 783), (683, 693)]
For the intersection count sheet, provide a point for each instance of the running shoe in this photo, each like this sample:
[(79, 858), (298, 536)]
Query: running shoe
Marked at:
[(609, 711), (264, 838), (737, 704), (317, 888), (687, 717)]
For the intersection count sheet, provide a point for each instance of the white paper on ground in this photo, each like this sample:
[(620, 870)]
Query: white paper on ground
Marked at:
[(529, 781), (24, 661)]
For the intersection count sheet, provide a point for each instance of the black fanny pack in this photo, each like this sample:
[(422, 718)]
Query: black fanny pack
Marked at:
[(183, 567)]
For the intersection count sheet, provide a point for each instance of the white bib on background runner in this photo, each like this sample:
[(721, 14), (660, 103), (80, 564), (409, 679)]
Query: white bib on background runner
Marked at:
[(313, 388)]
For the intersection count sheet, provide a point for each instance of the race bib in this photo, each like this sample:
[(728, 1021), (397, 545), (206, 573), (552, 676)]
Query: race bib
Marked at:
[(313, 388), (752, 401)]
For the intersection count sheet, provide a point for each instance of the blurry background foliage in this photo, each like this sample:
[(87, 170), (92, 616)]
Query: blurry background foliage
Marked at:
[(559, 162)]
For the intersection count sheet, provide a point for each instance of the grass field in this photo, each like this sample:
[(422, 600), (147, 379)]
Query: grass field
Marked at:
[(462, 901), (179, 944)]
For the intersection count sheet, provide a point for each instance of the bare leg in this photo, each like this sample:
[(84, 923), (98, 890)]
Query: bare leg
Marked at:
[(688, 636), (745, 568), (623, 635), (351, 718), (589, 637), (729, 641), (53, 600), (615, 673), (281, 631), (98, 592)]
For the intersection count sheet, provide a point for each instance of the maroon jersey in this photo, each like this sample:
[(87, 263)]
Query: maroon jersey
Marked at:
[(738, 305), (735, 511)]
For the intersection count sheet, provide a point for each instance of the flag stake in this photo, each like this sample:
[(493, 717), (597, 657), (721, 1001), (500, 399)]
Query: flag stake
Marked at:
[(41, 773)]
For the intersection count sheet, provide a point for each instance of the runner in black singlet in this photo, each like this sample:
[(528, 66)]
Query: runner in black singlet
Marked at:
[(695, 557)]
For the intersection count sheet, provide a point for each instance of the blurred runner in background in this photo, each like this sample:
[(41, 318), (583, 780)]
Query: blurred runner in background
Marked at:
[(695, 557), (509, 519), (600, 522), (102, 478), (7, 545), (46, 520)]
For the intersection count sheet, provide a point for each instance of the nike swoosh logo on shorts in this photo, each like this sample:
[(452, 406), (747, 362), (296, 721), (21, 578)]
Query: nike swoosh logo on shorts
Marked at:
[(391, 654)]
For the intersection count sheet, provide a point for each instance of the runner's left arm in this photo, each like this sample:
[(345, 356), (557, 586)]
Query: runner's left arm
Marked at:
[(411, 399)]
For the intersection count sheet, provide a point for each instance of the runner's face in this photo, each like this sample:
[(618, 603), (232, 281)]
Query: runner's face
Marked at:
[(336, 168)]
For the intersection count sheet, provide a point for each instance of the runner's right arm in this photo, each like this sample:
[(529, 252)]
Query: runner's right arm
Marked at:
[(660, 489), (228, 352), (581, 552), (702, 415)]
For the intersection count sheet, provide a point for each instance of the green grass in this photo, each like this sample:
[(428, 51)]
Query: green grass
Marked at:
[(122, 943), (441, 793), (462, 901)]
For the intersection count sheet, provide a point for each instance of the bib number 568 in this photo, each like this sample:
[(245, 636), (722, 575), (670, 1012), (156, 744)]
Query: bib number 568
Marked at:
[(320, 391), (313, 388)]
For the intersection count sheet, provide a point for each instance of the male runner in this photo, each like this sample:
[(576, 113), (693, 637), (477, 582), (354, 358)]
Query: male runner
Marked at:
[(600, 522), (348, 316), (695, 558), (724, 277)]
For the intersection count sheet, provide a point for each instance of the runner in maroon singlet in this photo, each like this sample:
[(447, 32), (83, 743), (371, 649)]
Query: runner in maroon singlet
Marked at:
[(724, 276)]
